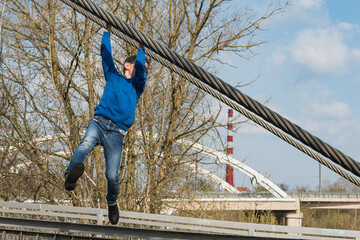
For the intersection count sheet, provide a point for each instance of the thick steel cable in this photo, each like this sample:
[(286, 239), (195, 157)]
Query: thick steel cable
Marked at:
[(93, 12)]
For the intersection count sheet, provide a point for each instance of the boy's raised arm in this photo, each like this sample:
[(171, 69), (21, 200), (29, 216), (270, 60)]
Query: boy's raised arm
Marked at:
[(106, 54), (140, 72)]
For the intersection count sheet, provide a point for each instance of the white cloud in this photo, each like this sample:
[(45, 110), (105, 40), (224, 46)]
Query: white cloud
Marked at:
[(338, 132), (354, 62), (320, 50), (277, 58), (310, 3), (303, 12), (325, 93), (347, 27), (356, 54), (337, 110), (252, 128)]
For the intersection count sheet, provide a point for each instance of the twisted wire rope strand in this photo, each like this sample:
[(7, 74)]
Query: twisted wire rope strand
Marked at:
[(285, 124)]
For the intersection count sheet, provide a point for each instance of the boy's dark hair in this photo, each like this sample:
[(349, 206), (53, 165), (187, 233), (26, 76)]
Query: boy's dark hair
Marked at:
[(132, 59)]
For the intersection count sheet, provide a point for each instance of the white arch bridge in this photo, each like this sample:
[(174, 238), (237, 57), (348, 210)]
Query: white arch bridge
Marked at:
[(255, 177)]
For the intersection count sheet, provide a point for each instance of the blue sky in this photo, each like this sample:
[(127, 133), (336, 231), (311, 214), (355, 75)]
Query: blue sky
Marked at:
[(310, 69)]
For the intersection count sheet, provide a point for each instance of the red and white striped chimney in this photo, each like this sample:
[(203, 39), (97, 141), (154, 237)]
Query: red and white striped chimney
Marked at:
[(229, 151)]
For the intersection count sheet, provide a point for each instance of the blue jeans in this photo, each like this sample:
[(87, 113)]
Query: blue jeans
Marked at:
[(104, 132)]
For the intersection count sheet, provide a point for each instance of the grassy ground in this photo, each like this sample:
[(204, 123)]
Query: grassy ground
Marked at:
[(335, 219)]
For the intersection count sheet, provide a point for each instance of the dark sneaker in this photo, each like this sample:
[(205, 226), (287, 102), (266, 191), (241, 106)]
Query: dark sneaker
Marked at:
[(73, 175), (113, 214)]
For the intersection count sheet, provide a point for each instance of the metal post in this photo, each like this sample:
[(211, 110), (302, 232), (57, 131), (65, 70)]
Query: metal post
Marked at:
[(319, 177), (4, 237), (100, 217)]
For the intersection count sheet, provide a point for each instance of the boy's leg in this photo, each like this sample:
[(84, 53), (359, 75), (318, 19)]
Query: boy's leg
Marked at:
[(76, 166), (113, 144)]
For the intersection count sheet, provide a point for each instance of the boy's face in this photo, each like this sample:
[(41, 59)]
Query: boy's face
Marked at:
[(130, 67)]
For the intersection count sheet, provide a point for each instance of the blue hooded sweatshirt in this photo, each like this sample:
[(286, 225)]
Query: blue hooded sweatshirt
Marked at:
[(120, 94)]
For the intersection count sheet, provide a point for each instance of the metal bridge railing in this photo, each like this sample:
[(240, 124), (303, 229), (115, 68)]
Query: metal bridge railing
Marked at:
[(266, 194), (324, 195), (87, 222)]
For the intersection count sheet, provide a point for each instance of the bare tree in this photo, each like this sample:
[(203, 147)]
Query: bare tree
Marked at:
[(53, 63), (171, 109)]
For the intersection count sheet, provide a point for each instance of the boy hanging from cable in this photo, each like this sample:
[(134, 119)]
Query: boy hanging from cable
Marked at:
[(112, 118)]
